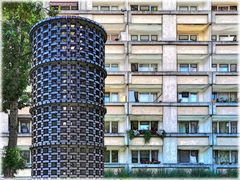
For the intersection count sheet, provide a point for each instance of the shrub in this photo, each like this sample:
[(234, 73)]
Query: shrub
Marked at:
[(147, 136)]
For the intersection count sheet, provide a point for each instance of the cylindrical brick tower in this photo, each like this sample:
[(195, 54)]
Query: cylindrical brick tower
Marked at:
[(67, 109)]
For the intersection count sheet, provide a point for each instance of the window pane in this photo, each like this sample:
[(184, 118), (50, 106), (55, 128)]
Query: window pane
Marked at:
[(194, 127), (223, 97), (154, 37), (223, 38), (26, 155), (194, 156), (214, 38), (183, 8), (114, 97), (233, 68), (114, 67), (193, 8), (134, 7), (184, 68), (214, 127), (134, 37), (234, 127), (193, 97), (107, 67), (25, 127), (104, 8), (154, 125), (234, 157), (154, 8), (144, 125), (134, 156), (183, 37), (114, 126), (134, 125), (193, 37), (154, 155), (107, 126), (153, 67), (143, 67), (144, 156), (114, 156), (214, 67), (144, 8), (233, 97), (193, 67), (144, 38), (233, 8), (114, 8), (107, 156), (223, 68), (143, 97), (223, 127), (223, 157), (134, 67), (107, 97), (183, 127), (184, 156)]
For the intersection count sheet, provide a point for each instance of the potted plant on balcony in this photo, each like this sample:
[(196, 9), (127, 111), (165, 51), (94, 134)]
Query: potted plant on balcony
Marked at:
[(147, 136)]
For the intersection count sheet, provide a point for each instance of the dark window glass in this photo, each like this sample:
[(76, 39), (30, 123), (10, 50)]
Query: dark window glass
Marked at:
[(134, 156), (106, 156), (114, 156), (114, 126)]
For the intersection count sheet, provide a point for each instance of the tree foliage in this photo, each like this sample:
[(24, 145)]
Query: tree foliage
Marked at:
[(18, 18), (10, 164)]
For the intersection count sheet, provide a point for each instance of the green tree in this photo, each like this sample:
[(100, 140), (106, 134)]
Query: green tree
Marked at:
[(18, 18)]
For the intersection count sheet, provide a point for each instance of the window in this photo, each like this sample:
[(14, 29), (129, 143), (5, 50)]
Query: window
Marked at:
[(114, 8), (111, 97), (188, 127), (104, 8), (233, 67), (183, 37), (223, 38), (144, 38), (134, 7), (111, 156), (187, 97), (225, 156), (144, 156), (193, 67), (223, 68), (214, 67), (144, 8), (154, 37), (134, 37), (187, 156), (95, 8), (111, 67), (225, 127), (147, 97), (134, 67), (147, 67), (134, 156), (26, 156), (107, 97), (183, 8), (187, 37), (154, 8), (111, 126), (193, 8), (233, 8), (193, 37), (184, 67), (214, 38), (24, 126), (144, 125)]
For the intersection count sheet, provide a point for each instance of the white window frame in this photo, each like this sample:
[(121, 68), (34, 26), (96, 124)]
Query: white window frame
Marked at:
[(150, 155)]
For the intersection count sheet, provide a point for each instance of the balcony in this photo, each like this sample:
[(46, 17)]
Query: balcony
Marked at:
[(227, 110), (230, 17), (115, 80), (139, 18), (145, 79), (139, 141), (145, 109), (226, 48), (196, 142), (225, 78), (192, 19), (114, 140), (193, 50), (199, 109), (226, 140), (115, 108)]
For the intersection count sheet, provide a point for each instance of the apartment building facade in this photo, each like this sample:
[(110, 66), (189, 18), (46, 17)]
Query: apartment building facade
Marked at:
[(172, 71)]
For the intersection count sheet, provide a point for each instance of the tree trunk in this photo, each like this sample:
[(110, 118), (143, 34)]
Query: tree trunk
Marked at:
[(13, 124)]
